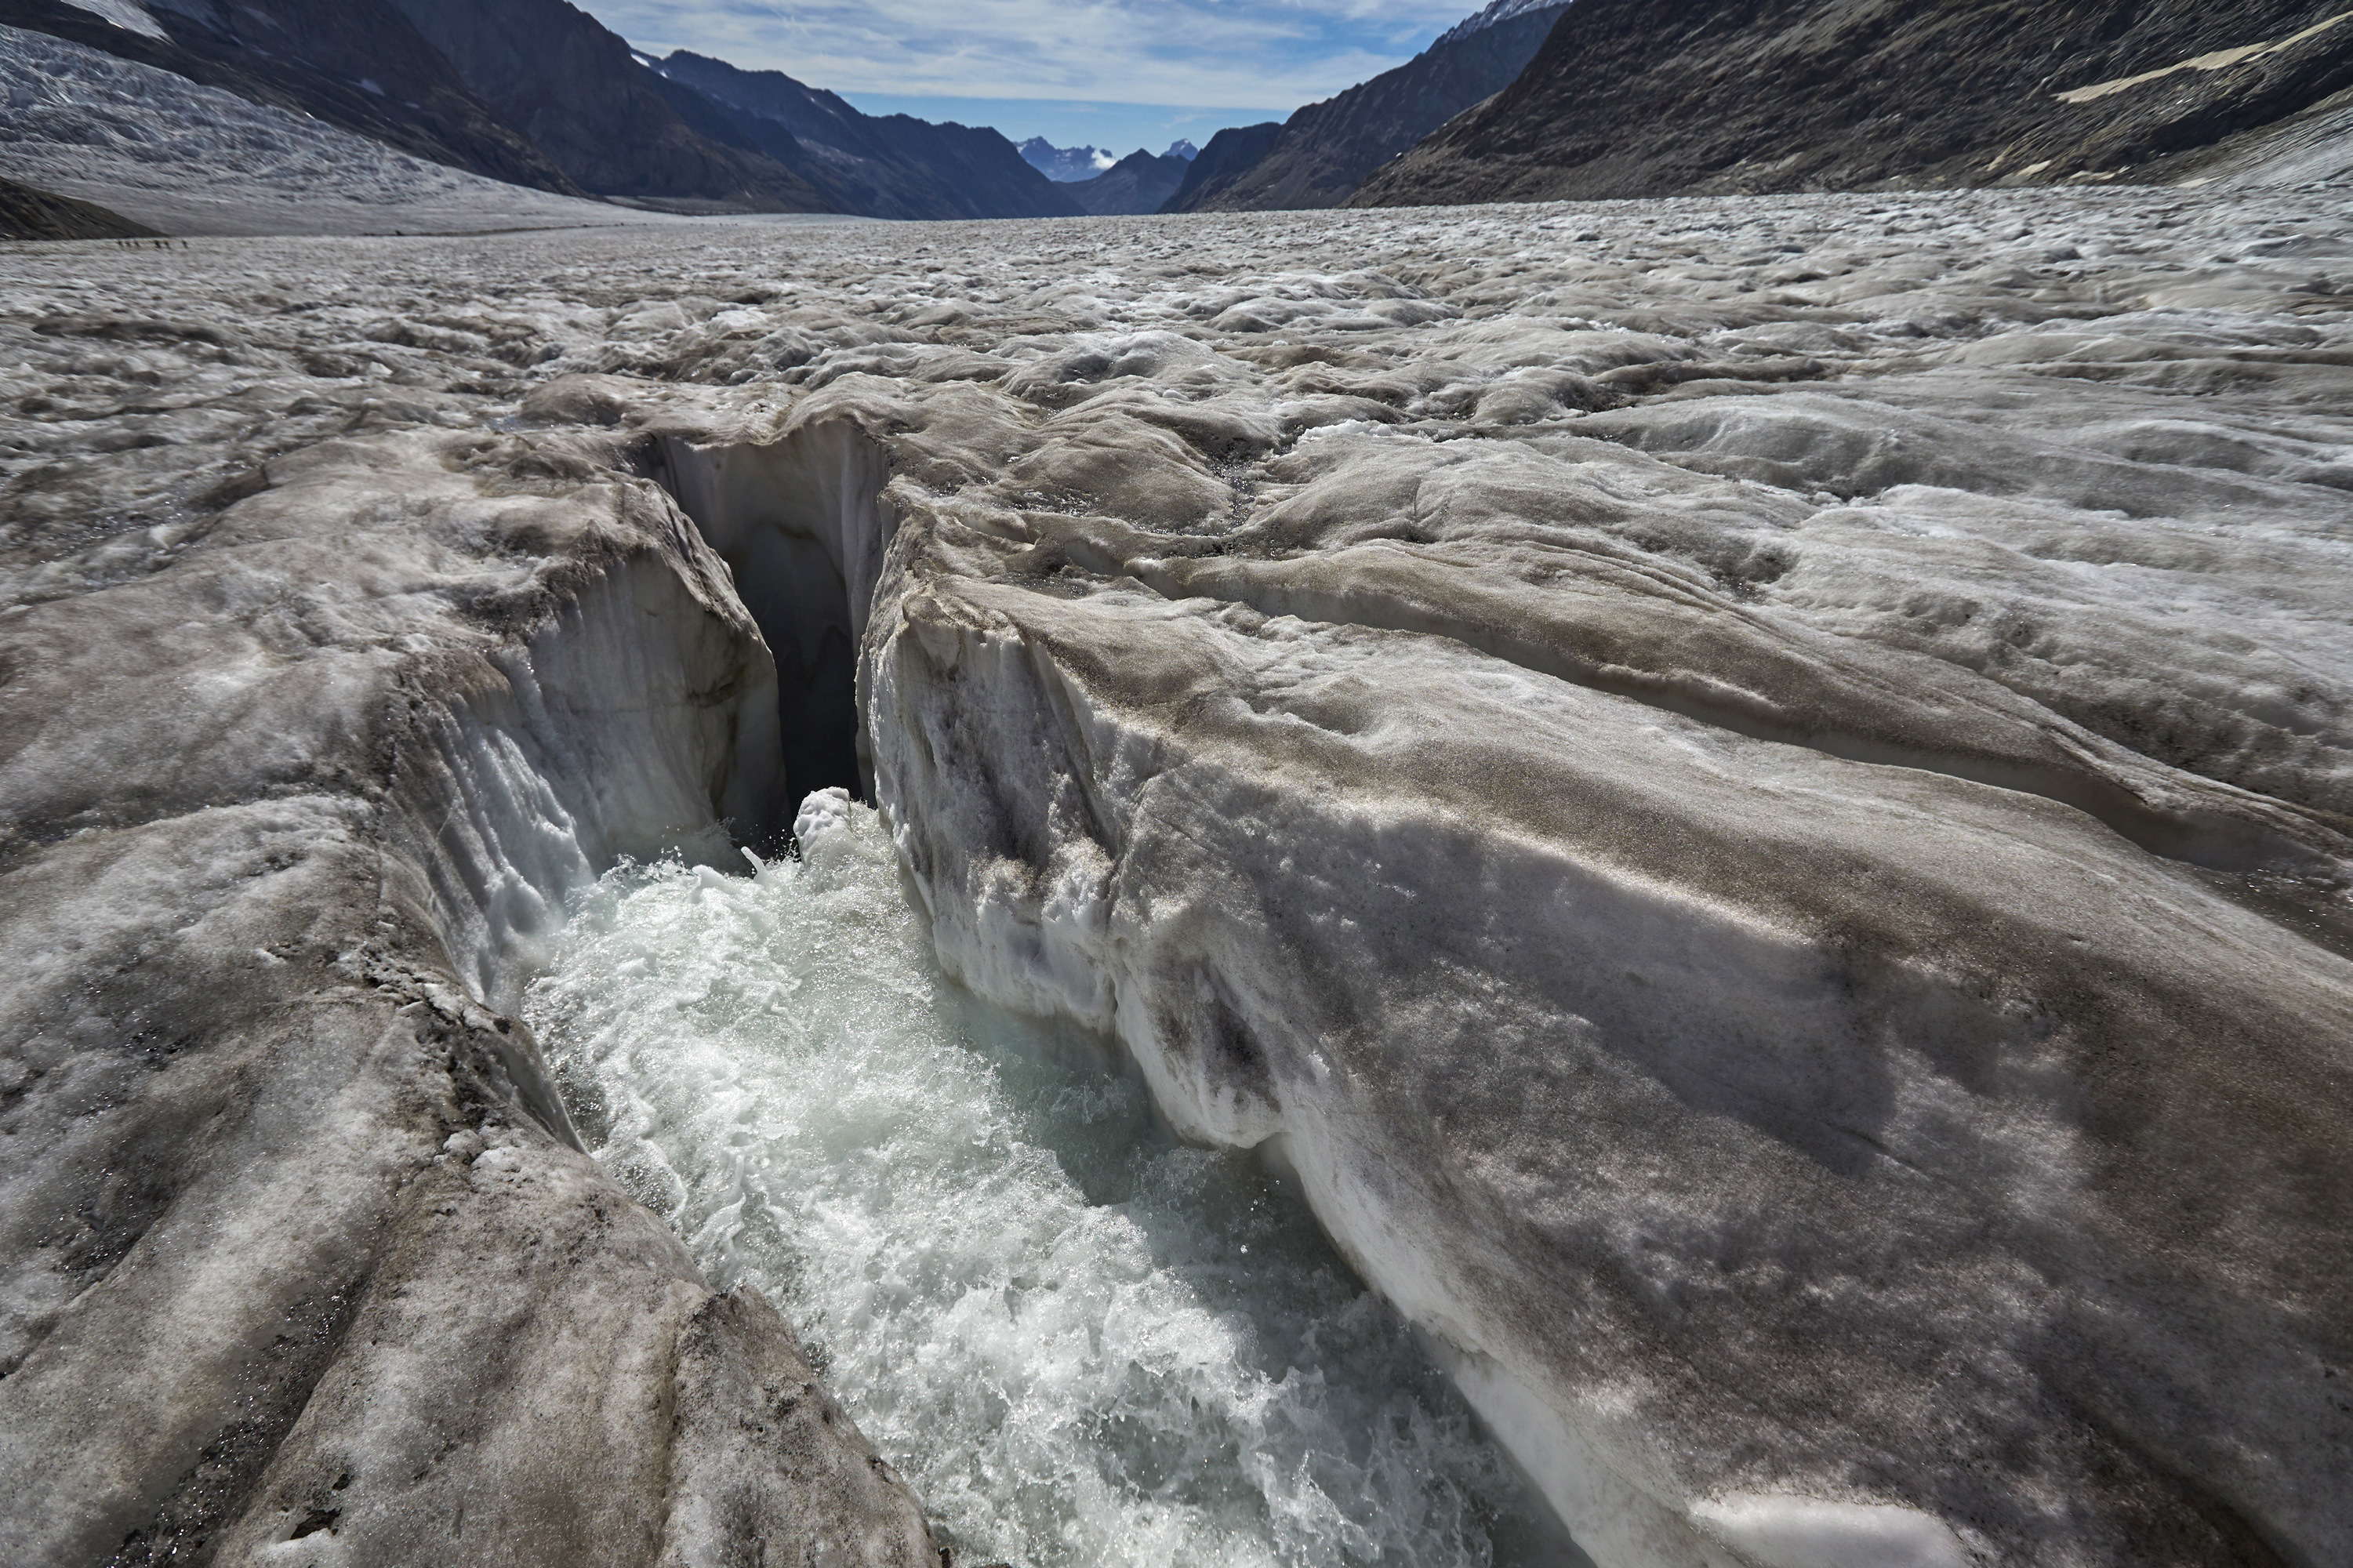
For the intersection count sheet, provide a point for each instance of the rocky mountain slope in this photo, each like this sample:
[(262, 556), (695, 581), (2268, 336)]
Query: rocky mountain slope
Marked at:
[(880, 165), (1327, 150), (1635, 98), (1752, 795), (358, 65), (29, 214), (1139, 183), (573, 87), (185, 159), (1228, 156)]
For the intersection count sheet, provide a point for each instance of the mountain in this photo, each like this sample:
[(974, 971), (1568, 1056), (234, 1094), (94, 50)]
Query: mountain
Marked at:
[(1180, 148), (1494, 16), (1065, 165), (359, 64), (1139, 183), (573, 86), (1326, 150), (1228, 156), (879, 165), (537, 92), (1637, 98), (29, 214)]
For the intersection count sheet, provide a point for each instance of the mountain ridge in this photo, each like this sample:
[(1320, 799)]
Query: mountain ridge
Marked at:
[(1325, 151), (1832, 95), (882, 165), (1333, 147), (1140, 182), (1228, 155), (540, 93), (574, 87), (28, 213)]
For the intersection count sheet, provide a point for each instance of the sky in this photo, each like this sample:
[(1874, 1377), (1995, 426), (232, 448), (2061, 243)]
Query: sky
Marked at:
[(1118, 74)]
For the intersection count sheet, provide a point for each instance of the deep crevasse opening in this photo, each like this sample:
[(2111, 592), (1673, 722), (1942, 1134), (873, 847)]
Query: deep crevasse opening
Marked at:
[(802, 525), (1083, 1342)]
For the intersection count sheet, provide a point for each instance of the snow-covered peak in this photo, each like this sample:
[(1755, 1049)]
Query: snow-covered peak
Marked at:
[(1498, 12), (128, 15), (1180, 148), (1065, 163)]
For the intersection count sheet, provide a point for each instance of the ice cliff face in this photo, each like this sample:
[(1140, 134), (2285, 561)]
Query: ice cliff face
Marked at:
[(1752, 795)]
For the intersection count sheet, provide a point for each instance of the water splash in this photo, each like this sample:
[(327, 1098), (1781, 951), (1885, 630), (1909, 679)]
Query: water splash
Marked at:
[(1084, 1344)]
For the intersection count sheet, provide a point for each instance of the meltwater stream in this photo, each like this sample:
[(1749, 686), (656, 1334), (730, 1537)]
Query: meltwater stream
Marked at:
[(1084, 1344)]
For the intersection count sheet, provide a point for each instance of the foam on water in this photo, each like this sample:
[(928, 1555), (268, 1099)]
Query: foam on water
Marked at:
[(1084, 1343)]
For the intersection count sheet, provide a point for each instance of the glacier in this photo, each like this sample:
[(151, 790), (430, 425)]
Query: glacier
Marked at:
[(1749, 799)]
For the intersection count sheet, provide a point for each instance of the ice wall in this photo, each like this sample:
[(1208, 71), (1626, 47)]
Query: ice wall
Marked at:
[(1629, 1086), (636, 724), (802, 524), (309, 1265), (1746, 1183)]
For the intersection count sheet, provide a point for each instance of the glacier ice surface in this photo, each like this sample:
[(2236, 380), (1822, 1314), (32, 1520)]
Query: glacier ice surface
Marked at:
[(1752, 795)]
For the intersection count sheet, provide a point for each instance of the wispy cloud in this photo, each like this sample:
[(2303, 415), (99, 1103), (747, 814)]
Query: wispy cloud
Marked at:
[(1200, 53)]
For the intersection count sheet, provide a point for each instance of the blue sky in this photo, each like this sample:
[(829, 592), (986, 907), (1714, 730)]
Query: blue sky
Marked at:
[(1114, 73)]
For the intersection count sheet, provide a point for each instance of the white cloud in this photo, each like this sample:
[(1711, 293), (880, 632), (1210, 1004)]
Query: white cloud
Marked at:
[(1209, 53)]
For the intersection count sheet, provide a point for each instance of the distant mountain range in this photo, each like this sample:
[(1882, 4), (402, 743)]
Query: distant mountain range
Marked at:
[(1063, 165), (1069, 166), (890, 165), (1230, 154), (1525, 99), (1140, 182)]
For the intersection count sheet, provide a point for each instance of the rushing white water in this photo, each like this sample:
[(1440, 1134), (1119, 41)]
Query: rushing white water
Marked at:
[(1084, 1343)]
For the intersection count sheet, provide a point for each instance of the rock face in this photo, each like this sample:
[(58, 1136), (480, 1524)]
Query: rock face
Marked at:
[(29, 214), (1755, 795), (1327, 150), (886, 166), (1139, 183), (1630, 97)]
